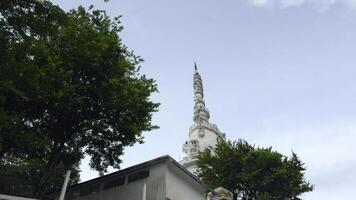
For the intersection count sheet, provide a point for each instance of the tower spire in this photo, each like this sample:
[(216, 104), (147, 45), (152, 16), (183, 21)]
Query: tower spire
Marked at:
[(202, 134), (201, 113)]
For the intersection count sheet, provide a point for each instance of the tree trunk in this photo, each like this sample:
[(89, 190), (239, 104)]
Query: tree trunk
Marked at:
[(51, 164)]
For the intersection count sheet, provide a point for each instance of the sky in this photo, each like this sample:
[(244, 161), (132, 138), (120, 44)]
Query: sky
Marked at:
[(277, 73)]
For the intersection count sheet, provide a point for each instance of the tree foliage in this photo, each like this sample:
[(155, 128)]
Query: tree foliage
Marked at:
[(25, 27), (20, 176), (68, 88), (253, 172)]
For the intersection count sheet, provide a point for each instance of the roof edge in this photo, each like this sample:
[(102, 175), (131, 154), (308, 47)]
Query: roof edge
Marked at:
[(190, 174), (140, 166), (125, 170)]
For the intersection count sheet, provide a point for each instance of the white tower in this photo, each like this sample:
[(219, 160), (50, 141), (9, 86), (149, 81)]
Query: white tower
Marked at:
[(202, 133)]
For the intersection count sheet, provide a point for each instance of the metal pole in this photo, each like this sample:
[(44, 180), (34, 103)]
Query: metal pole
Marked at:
[(144, 191), (64, 187)]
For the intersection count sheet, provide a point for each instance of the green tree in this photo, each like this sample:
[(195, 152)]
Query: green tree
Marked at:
[(69, 88), (25, 26), (253, 172), (19, 176)]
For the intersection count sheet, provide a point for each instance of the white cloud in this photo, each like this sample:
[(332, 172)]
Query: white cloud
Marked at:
[(352, 3), (289, 3), (320, 5), (261, 3)]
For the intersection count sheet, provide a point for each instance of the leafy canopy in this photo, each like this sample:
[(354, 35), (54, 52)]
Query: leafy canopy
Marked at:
[(69, 87), (20, 176), (253, 172), (25, 28)]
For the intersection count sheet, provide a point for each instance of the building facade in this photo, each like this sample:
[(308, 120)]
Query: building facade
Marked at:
[(162, 178)]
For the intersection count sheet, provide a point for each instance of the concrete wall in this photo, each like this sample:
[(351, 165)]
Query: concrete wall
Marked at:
[(208, 139), (156, 183), (182, 187), (164, 181), (152, 187)]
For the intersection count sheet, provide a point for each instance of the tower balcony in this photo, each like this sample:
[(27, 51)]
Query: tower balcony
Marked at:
[(191, 147), (209, 126)]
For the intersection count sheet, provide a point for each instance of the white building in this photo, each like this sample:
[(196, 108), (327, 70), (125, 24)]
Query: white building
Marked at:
[(162, 178), (202, 133)]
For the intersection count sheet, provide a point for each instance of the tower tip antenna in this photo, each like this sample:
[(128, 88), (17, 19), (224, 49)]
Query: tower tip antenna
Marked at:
[(195, 66)]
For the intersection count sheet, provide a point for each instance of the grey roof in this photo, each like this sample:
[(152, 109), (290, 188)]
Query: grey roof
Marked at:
[(141, 166)]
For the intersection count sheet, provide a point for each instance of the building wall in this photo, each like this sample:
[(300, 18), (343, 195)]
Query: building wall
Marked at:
[(161, 181), (152, 187), (206, 137), (182, 187), (156, 183), (129, 191)]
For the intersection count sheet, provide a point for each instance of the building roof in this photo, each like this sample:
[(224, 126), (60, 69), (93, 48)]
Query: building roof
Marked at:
[(140, 166), (9, 197)]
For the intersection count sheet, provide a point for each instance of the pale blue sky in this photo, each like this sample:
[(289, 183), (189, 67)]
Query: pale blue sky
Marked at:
[(277, 73)]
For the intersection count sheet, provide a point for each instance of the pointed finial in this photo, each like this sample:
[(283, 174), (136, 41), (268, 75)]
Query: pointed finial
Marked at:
[(195, 66)]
